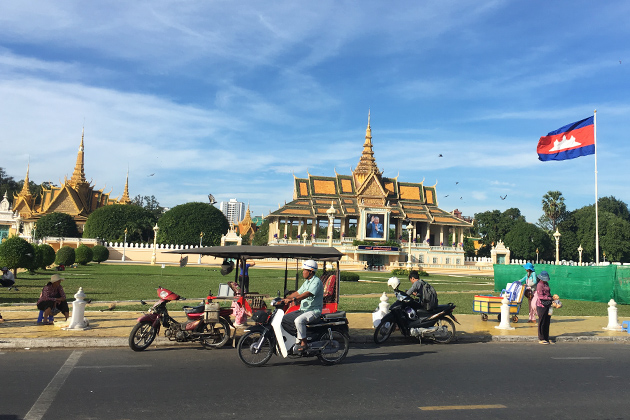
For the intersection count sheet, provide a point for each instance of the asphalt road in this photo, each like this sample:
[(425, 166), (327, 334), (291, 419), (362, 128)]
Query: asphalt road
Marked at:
[(472, 381)]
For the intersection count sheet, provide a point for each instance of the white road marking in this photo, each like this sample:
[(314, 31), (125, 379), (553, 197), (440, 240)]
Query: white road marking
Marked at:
[(577, 358), (47, 396)]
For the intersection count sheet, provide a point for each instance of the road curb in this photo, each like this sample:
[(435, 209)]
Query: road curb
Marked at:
[(97, 342)]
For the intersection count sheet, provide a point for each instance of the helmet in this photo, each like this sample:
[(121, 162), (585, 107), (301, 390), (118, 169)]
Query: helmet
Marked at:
[(393, 282), (309, 265), (411, 313), (227, 267)]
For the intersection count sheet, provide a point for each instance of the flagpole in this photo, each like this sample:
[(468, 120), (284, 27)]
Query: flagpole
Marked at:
[(596, 196)]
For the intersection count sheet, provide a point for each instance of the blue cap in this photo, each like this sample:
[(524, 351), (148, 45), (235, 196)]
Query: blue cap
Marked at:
[(543, 276), (529, 266)]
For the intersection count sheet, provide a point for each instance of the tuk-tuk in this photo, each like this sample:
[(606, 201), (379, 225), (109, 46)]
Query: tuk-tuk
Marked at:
[(241, 254)]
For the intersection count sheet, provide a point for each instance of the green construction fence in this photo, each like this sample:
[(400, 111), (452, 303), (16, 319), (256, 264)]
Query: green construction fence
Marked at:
[(593, 284)]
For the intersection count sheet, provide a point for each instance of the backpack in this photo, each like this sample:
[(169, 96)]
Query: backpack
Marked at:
[(429, 296)]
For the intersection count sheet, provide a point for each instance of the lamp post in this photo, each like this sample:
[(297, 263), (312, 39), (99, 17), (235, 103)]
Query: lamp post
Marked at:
[(33, 232), (331, 219), (156, 229), (409, 229), (557, 236), (200, 242), (304, 236), (124, 245), (536, 255), (580, 249)]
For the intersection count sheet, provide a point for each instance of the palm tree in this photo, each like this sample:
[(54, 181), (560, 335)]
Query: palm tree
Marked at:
[(553, 208)]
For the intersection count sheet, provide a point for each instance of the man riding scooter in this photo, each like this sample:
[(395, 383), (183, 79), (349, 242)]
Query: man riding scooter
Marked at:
[(310, 297)]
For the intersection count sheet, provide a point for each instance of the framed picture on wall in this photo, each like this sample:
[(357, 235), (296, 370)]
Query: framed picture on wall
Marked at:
[(375, 225)]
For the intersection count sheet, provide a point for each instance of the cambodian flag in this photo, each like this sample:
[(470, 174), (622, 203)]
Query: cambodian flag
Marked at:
[(568, 142)]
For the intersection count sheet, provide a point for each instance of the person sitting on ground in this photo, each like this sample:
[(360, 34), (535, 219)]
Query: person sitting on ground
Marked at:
[(53, 298), (311, 298), (7, 279)]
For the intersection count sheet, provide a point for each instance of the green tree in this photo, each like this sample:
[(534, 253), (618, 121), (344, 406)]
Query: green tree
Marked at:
[(554, 210), (48, 255), (109, 223), (261, 237), (100, 254), (37, 260), (8, 185), (65, 256), (578, 229), (16, 253), (83, 254), (182, 225), (57, 225), (149, 203), (524, 238), (614, 206)]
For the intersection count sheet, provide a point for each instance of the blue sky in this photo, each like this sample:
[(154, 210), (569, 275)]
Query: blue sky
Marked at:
[(234, 97)]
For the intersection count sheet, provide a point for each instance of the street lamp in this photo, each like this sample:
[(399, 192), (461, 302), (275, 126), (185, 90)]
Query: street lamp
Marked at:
[(124, 245), (33, 232), (580, 249), (200, 241), (331, 219), (304, 236), (156, 229), (536, 255), (409, 229), (557, 236)]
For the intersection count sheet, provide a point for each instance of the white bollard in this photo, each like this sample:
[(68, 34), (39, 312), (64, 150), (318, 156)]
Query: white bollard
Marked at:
[(505, 315), (383, 309), (78, 321), (613, 322)]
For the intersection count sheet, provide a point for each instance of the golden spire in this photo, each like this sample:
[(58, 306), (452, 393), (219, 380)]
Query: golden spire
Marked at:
[(78, 176), (125, 198), (367, 163), (26, 192)]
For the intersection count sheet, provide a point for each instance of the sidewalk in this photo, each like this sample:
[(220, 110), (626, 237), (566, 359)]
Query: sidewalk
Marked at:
[(112, 328)]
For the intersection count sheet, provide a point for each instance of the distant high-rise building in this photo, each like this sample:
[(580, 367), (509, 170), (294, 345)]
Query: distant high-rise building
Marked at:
[(234, 210)]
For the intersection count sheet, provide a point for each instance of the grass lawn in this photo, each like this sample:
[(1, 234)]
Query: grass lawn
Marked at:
[(128, 284)]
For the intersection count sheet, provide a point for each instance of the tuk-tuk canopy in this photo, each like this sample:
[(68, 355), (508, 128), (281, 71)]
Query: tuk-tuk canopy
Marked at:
[(259, 252)]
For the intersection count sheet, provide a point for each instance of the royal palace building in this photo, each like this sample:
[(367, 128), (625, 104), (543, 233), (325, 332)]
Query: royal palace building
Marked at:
[(374, 220), (76, 196)]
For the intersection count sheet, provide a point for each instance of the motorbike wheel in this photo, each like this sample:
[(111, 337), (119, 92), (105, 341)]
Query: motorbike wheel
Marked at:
[(141, 336), (449, 331), (247, 352), (216, 334), (383, 331), (341, 349)]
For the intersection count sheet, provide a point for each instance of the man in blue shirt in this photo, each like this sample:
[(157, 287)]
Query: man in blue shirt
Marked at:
[(310, 296)]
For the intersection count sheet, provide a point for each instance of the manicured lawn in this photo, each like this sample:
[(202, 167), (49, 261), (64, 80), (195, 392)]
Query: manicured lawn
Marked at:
[(128, 284)]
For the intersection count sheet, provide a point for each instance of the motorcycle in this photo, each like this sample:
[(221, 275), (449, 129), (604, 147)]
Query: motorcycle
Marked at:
[(212, 330), (413, 321), (327, 338)]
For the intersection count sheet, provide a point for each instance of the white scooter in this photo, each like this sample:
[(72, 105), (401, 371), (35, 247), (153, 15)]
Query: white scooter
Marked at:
[(327, 338)]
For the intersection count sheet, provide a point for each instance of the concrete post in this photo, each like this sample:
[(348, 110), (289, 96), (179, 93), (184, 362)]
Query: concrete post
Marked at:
[(613, 322), (505, 315), (78, 321)]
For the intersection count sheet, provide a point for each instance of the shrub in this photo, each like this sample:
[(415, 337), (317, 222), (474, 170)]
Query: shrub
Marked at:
[(183, 223), (16, 253), (403, 272), (83, 254), (109, 223), (65, 256), (57, 225), (349, 276), (48, 255), (100, 254), (37, 260)]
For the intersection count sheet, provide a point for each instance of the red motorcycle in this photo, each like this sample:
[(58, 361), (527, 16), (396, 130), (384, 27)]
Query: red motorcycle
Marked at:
[(211, 327)]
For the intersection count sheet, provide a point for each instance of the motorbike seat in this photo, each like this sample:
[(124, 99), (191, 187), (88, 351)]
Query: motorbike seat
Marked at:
[(196, 310), (334, 315)]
